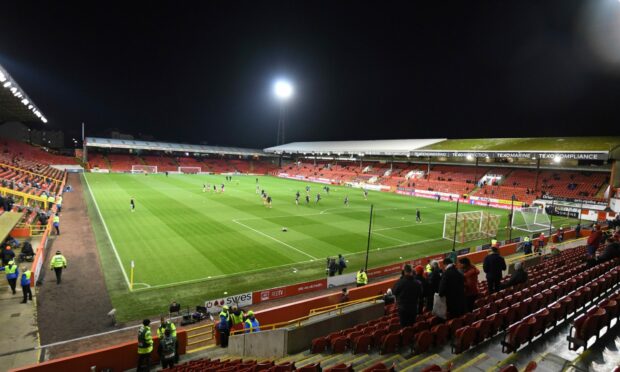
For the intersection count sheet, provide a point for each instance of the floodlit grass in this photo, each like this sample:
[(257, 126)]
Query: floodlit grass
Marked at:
[(191, 246), (529, 144)]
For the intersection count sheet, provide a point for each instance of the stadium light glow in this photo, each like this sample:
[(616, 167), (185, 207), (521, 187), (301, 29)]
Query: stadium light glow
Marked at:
[(283, 89), (469, 157), (7, 84), (557, 159), (2, 78)]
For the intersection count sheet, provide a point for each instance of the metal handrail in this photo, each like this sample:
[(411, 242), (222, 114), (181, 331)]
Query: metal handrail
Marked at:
[(313, 312)]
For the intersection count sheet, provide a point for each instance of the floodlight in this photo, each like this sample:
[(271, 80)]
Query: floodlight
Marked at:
[(469, 157), (2, 77), (557, 159), (7, 84), (283, 89)]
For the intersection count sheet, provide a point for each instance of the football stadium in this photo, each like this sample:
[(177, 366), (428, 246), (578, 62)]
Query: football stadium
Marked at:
[(442, 250)]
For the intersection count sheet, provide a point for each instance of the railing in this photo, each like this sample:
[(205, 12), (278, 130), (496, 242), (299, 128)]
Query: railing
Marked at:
[(204, 335), (26, 196), (339, 308), (29, 172), (34, 230)]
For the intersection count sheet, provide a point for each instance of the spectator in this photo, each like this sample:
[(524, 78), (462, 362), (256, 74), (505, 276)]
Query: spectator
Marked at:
[(540, 244), (407, 291), (168, 354), (27, 251), (223, 326), (518, 277), (560, 235), (470, 274), (419, 275), (333, 267), (611, 251), (578, 230), (388, 297), (452, 287), (527, 245), (493, 266), (251, 324), (342, 264), (7, 255), (434, 278), (344, 297), (594, 240)]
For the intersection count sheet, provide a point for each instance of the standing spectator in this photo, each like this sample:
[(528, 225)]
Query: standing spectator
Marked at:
[(223, 326), (578, 230), (57, 264), (12, 273), (145, 346), (452, 287), (362, 278), (344, 296), (434, 279), (419, 276), (470, 274), (25, 283), (7, 255), (168, 350), (388, 297), (333, 267), (407, 291), (493, 266), (251, 324), (56, 223), (518, 277), (167, 325), (594, 240), (342, 264), (527, 245), (560, 235), (541, 243)]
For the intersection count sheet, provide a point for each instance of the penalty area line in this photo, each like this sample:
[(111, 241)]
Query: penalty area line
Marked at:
[(274, 239)]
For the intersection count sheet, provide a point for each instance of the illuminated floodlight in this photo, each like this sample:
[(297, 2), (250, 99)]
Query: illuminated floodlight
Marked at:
[(2, 77), (283, 89), (469, 157), (7, 84), (43, 119), (557, 159)]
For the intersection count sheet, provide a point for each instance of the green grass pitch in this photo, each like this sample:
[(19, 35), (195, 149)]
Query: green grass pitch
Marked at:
[(192, 245)]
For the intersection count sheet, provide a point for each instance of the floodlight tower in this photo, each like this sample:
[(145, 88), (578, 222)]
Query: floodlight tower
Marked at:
[(283, 91)]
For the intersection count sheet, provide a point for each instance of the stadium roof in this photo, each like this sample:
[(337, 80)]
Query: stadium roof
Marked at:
[(111, 143), (606, 144), (15, 105), (579, 148), (378, 147)]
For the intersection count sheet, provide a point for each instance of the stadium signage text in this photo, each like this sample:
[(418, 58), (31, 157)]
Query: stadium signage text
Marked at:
[(513, 154), (240, 300), (585, 203)]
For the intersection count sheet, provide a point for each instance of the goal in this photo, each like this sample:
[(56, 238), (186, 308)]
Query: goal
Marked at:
[(144, 169), (190, 170), (531, 219), (470, 226)]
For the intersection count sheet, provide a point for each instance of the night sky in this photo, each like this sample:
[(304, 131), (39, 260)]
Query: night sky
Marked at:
[(195, 72)]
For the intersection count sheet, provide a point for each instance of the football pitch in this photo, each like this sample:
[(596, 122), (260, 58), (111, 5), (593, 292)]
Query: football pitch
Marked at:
[(190, 244)]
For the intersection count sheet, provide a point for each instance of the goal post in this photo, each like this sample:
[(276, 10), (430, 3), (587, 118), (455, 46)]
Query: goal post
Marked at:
[(470, 226), (141, 168), (190, 170), (531, 219)]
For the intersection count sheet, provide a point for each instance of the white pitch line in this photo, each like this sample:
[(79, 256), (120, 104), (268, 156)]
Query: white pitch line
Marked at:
[(220, 276), (403, 226), (105, 226), (272, 238), (389, 237)]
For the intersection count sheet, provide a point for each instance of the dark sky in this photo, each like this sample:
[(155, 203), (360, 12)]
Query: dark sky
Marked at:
[(194, 71)]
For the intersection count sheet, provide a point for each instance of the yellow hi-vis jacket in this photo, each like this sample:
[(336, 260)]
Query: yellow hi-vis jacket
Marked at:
[(58, 261), (145, 340), (362, 278)]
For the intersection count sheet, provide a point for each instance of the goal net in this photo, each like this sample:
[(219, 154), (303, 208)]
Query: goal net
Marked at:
[(190, 170), (470, 226), (531, 219), (144, 169)]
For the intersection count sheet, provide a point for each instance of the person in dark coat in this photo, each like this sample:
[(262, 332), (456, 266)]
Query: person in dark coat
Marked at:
[(419, 275), (434, 278), (594, 240), (388, 297), (7, 255), (518, 277), (611, 251), (493, 266), (342, 264), (452, 287), (407, 291)]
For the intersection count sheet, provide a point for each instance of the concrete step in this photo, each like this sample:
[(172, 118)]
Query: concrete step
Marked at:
[(423, 363)]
